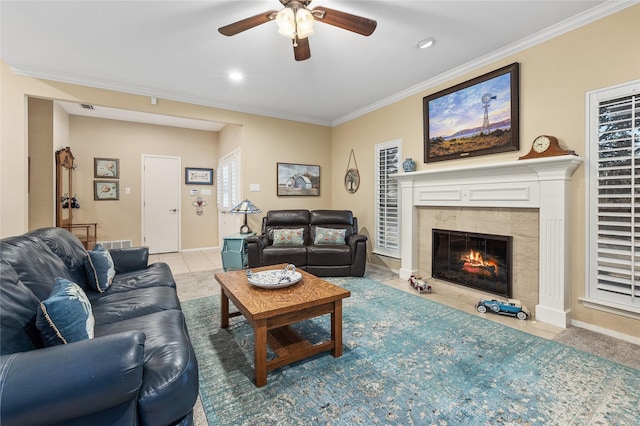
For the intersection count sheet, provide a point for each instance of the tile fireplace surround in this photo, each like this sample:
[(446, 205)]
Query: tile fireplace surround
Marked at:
[(541, 184)]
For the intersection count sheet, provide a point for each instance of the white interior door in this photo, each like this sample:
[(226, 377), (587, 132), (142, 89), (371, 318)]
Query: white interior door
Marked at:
[(161, 203)]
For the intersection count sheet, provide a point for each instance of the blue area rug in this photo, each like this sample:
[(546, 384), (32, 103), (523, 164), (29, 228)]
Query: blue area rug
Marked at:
[(408, 360)]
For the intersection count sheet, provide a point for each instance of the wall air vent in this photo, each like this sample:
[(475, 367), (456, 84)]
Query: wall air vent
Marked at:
[(87, 106), (109, 245)]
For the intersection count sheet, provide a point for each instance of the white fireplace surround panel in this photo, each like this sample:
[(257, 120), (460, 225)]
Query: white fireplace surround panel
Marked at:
[(537, 183)]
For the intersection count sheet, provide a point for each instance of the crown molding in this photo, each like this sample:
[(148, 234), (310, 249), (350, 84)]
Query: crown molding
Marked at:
[(587, 17), (160, 94)]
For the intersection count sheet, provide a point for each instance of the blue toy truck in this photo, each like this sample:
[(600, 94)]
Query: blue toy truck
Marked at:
[(511, 307)]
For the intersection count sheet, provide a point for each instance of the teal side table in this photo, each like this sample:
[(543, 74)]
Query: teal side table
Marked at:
[(234, 251)]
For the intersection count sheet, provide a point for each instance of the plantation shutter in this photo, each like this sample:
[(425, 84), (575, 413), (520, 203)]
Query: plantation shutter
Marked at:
[(615, 198), (227, 179), (387, 232)]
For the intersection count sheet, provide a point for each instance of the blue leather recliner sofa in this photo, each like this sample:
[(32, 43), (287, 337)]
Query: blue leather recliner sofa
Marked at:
[(138, 369)]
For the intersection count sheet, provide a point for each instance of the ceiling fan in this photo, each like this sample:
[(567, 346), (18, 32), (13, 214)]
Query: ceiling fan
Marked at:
[(296, 20)]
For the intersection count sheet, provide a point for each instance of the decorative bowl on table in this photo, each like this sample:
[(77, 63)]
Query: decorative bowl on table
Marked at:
[(277, 278)]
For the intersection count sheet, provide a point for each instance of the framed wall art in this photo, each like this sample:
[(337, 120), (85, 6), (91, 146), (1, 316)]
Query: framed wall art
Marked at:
[(298, 179), (198, 176), (105, 190), (477, 117), (106, 168)]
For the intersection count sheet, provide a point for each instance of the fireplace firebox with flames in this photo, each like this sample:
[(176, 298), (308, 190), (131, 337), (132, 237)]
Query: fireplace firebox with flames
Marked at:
[(480, 261)]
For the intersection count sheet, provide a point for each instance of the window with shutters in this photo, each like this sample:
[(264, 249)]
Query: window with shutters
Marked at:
[(228, 191), (387, 202), (613, 194)]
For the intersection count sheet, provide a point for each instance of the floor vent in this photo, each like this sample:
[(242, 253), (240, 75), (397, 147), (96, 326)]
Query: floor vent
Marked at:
[(116, 244)]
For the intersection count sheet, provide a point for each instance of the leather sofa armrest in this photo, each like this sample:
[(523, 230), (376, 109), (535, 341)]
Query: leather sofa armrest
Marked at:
[(255, 244), (261, 240), (60, 383), (130, 259), (358, 244), (354, 239)]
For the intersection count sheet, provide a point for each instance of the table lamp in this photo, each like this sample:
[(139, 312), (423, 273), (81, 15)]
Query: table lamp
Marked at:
[(245, 207)]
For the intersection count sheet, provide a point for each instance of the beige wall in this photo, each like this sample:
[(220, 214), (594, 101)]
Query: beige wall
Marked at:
[(91, 138), (263, 142), (554, 77), (401, 120), (60, 141), (41, 168), (121, 219), (48, 131), (265, 148), (268, 141)]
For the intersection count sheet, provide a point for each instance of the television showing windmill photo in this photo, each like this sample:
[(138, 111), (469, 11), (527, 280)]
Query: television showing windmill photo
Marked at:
[(474, 118)]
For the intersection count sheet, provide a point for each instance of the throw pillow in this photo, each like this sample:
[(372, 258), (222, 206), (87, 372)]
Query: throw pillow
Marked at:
[(288, 237), (99, 268), (329, 236), (65, 316)]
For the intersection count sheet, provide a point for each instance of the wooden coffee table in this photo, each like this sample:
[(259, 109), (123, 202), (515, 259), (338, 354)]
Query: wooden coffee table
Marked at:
[(271, 311)]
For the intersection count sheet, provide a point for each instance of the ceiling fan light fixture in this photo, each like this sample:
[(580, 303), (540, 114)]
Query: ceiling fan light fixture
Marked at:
[(285, 19), (304, 23), (295, 22)]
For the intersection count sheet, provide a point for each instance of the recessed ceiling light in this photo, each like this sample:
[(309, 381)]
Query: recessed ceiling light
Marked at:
[(235, 76), (427, 42)]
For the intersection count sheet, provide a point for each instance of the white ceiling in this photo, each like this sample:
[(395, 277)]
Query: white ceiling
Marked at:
[(97, 111), (172, 49)]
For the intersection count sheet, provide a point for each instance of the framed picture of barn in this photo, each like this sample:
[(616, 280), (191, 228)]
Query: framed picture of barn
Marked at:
[(298, 179)]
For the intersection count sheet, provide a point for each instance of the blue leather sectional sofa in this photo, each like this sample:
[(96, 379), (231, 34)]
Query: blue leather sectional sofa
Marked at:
[(138, 369)]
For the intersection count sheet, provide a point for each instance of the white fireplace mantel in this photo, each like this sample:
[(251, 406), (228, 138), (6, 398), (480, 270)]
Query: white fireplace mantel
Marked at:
[(537, 183)]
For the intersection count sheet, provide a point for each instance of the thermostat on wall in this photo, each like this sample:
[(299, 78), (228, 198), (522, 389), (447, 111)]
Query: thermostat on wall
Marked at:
[(193, 192)]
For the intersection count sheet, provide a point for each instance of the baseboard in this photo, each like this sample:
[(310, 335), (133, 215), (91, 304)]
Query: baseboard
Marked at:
[(384, 267), (606, 331), (200, 249)]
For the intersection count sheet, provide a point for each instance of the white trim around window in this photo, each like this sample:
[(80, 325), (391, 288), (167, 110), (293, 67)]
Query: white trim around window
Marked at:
[(386, 239), (613, 200)]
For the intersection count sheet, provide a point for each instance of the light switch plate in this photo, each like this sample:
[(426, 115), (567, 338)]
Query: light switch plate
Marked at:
[(254, 187), (206, 192)]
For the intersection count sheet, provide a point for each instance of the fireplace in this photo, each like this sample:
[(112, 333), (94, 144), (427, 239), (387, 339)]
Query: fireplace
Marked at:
[(539, 183), (480, 261)]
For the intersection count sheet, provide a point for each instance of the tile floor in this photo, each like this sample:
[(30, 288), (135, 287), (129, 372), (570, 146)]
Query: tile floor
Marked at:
[(190, 261)]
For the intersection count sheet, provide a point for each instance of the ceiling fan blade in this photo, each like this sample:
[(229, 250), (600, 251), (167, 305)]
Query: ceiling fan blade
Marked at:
[(346, 21), (301, 50), (248, 23)]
